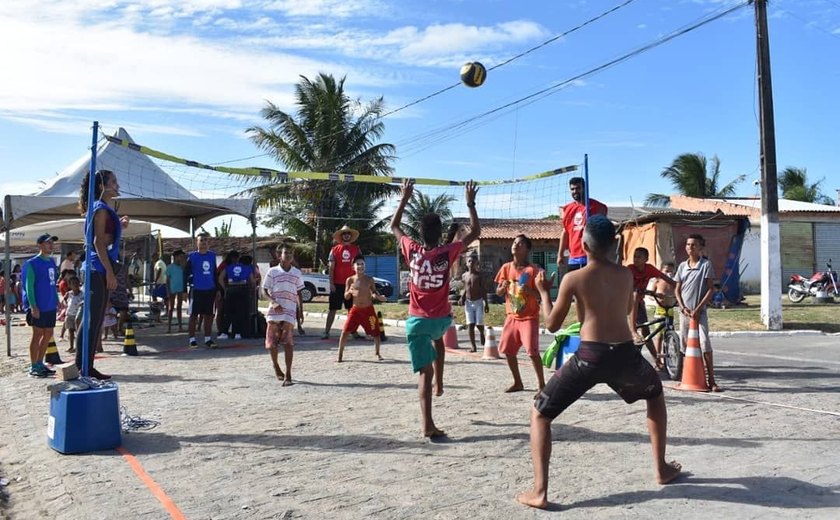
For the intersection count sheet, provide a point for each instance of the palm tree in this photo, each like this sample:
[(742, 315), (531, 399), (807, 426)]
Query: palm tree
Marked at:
[(421, 205), (793, 185), (330, 133), (691, 175)]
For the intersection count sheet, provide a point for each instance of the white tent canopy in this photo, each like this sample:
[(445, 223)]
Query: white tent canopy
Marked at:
[(148, 194), (67, 231)]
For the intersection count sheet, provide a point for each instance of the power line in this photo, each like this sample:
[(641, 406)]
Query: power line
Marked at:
[(810, 23), (457, 84), (454, 128), (516, 57)]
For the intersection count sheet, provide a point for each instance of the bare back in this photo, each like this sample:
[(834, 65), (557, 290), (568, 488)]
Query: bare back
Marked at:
[(362, 288), (474, 286), (603, 291)]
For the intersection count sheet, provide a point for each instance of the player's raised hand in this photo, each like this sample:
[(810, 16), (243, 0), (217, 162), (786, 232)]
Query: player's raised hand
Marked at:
[(407, 189), (470, 189)]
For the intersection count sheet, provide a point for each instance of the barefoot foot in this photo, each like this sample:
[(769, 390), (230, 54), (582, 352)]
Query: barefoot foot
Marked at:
[(279, 373), (287, 382), (378, 357), (434, 432), (533, 499), (438, 391), (516, 387), (668, 472)]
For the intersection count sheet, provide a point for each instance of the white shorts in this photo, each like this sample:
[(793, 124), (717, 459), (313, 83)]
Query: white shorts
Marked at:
[(703, 325), (474, 311)]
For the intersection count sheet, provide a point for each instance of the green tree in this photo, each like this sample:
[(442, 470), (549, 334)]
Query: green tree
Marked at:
[(421, 205), (329, 133), (224, 231), (793, 185), (692, 175)]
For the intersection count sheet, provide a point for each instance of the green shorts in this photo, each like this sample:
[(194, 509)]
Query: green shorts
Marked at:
[(420, 333)]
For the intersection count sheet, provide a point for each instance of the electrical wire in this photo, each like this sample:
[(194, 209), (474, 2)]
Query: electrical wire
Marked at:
[(454, 129), (457, 84), (809, 23), (133, 423), (516, 57)]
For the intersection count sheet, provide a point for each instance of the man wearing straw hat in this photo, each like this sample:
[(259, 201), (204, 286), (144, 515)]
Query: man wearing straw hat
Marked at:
[(340, 268)]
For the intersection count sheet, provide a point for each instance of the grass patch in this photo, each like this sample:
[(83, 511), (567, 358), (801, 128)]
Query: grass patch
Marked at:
[(795, 316)]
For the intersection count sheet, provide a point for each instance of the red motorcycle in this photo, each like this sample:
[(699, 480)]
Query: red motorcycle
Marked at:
[(820, 282)]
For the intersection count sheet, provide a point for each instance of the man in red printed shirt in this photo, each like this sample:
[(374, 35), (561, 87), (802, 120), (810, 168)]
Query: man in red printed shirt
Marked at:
[(429, 310), (574, 220), (341, 268)]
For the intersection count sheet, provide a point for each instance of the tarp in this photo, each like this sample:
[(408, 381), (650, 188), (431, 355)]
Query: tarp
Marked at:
[(67, 231), (664, 237), (147, 193)]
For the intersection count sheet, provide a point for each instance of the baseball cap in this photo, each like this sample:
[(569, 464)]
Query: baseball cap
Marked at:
[(46, 236)]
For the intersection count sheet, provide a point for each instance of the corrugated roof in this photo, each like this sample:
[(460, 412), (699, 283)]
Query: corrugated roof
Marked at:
[(750, 207)]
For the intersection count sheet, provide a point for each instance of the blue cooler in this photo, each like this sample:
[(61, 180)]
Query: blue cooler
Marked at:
[(567, 348), (82, 421)]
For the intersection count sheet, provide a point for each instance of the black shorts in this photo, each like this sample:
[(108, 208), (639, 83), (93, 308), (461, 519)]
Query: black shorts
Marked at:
[(46, 319), (622, 367), (337, 299), (202, 301)]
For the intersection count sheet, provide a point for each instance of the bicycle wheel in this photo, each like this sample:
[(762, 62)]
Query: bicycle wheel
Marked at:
[(672, 354)]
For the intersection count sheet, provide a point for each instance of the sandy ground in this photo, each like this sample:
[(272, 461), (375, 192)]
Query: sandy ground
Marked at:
[(343, 442)]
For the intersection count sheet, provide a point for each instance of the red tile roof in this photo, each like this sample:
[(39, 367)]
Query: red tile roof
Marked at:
[(536, 229)]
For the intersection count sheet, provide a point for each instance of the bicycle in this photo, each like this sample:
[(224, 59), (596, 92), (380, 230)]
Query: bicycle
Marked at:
[(671, 345)]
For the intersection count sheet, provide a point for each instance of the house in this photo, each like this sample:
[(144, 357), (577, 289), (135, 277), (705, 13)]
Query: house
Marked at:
[(493, 246), (809, 234)]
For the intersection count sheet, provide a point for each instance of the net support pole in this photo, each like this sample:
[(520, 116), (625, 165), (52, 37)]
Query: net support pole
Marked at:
[(7, 267), (86, 339), (586, 184)]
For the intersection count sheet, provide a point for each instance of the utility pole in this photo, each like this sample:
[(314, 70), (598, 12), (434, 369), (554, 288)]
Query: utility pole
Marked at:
[(771, 268)]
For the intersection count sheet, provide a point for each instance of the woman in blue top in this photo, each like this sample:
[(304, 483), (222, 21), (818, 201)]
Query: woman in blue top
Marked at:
[(107, 231)]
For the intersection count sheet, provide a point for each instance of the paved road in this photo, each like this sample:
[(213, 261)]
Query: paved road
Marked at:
[(343, 442)]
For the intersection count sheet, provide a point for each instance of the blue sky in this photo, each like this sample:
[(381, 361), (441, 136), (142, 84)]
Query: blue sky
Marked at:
[(189, 76)]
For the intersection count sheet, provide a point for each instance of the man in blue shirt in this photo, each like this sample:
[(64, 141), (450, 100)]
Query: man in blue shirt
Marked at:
[(200, 273), (40, 301)]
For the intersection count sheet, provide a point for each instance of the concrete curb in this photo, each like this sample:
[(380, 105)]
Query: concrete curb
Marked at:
[(721, 334)]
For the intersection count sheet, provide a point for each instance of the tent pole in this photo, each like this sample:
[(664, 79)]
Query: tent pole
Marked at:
[(7, 267)]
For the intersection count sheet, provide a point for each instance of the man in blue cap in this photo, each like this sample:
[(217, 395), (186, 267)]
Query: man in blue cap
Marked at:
[(40, 301)]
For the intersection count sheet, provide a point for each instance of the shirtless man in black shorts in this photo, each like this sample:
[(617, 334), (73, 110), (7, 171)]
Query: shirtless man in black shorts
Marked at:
[(603, 291)]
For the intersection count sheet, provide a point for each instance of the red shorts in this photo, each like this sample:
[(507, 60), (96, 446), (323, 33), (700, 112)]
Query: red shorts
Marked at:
[(520, 333), (364, 316)]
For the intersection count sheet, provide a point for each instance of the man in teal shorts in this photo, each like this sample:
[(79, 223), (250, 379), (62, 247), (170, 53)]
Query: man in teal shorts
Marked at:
[(429, 311)]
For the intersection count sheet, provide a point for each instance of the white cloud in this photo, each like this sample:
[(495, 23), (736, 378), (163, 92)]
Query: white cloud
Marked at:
[(327, 8)]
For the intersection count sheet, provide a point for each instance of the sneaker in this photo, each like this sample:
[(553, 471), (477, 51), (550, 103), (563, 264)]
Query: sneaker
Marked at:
[(222, 336), (46, 369), (210, 343), (325, 335), (37, 371), (238, 336), (193, 343)]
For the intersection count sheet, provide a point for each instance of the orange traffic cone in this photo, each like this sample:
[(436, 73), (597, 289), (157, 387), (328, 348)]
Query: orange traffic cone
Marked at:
[(450, 338), (129, 345), (52, 357), (491, 349), (694, 375)]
